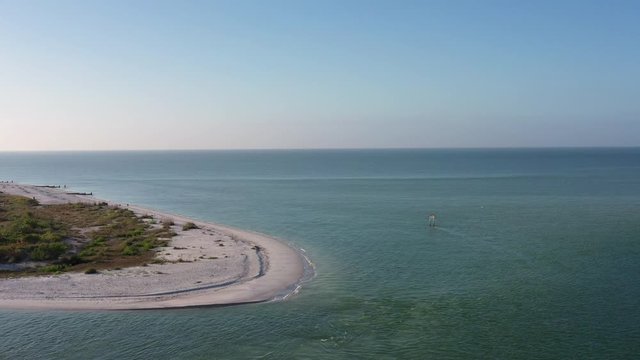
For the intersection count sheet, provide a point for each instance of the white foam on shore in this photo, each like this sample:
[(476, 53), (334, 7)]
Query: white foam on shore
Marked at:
[(308, 275), (222, 266)]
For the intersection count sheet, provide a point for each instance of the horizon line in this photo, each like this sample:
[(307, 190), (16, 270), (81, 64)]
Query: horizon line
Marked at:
[(331, 149)]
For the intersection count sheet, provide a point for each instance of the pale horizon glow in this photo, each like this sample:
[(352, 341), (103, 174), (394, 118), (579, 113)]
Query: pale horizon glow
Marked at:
[(196, 75)]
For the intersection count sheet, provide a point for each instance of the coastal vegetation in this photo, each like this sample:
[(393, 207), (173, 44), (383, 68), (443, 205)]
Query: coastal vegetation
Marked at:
[(189, 226), (37, 238)]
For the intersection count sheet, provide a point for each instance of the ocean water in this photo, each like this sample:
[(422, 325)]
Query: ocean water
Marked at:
[(537, 254)]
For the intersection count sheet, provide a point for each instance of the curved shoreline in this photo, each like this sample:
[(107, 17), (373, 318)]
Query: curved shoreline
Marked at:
[(248, 267)]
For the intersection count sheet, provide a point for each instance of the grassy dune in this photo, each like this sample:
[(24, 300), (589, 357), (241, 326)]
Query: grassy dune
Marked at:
[(77, 237)]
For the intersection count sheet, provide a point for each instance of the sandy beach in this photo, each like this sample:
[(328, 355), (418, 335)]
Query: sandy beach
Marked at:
[(214, 265)]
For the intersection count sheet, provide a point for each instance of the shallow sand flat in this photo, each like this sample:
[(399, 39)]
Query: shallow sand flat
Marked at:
[(219, 265)]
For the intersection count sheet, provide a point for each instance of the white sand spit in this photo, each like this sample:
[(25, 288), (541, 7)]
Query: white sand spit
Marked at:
[(212, 265)]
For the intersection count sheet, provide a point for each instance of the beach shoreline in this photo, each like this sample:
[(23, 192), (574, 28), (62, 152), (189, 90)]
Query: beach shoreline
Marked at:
[(214, 265)]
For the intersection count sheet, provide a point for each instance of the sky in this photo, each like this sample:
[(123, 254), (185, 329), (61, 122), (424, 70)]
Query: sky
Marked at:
[(137, 75)]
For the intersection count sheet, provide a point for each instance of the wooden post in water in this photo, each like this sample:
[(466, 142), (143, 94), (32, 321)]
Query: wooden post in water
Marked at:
[(432, 220)]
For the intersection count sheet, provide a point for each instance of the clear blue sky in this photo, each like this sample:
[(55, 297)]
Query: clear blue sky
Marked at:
[(318, 74)]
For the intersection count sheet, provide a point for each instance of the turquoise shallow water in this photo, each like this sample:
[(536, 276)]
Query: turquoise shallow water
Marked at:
[(537, 254)]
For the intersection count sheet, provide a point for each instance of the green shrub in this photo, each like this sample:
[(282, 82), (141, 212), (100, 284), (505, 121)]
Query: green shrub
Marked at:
[(49, 236), (55, 268), (189, 226), (88, 252), (130, 250), (47, 251), (147, 245), (98, 240)]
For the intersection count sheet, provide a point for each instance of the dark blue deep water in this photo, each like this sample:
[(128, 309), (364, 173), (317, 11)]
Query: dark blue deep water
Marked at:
[(537, 254)]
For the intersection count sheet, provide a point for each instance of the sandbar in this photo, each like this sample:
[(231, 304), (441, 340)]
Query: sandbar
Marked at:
[(215, 265)]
